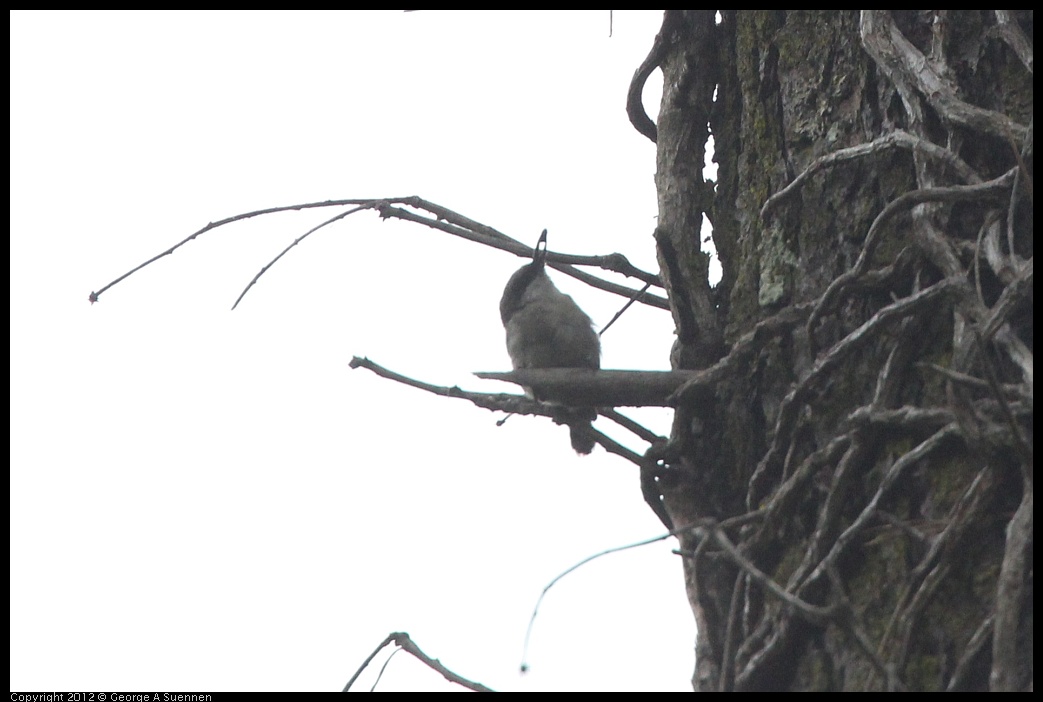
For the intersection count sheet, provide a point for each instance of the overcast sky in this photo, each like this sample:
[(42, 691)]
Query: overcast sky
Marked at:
[(211, 500)]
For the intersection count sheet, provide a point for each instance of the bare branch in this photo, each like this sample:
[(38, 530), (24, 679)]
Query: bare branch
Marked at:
[(402, 640), (588, 559), (582, 387), (296, 241), (572, 392), (625, 307), (615, 262), (635, 105), (628, 423), (518, 404), (380, 674), (236, 218), (453, 223)]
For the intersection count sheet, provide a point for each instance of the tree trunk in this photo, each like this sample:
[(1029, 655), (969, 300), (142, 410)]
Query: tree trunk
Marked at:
[(859, 485)]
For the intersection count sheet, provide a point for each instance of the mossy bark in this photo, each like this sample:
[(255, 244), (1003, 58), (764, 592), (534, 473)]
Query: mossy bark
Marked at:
[(874, 486)]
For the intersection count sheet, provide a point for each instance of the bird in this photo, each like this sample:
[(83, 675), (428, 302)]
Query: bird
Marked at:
[(547, 329)]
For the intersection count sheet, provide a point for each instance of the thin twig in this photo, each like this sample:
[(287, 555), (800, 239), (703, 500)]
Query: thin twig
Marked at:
[(403, 641), (236, 218), (628, 423), (453, 223), (619, 314), (296, 241), (380, 675), (588, 559), (390, 637)]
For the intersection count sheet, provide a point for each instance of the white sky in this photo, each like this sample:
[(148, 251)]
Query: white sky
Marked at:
[(212, 500)]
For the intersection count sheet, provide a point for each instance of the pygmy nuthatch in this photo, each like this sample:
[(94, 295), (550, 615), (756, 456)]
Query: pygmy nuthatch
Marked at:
[(547, 329)]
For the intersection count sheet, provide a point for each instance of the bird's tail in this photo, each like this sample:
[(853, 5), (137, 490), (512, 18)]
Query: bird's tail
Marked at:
[(580, 430)]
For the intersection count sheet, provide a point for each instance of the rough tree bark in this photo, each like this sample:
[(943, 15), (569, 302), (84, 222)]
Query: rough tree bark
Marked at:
[(850, 467), (855, 478)]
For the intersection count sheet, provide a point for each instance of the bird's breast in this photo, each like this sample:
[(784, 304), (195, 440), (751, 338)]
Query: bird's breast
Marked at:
[(542, 335)]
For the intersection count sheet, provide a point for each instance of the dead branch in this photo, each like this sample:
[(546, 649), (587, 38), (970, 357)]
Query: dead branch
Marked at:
[(564, 387), (228, 220), (628, 423), (552, 583), (285, 251), (403, 641), (581, 387), (635, 106), (447, 221)]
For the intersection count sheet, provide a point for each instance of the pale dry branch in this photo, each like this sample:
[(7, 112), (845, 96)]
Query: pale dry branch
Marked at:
[(582, 387), (500, 402), (577, 391)]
